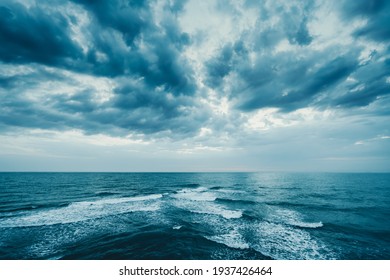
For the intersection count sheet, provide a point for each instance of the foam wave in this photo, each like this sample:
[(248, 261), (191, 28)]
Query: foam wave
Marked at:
[(198, 194), (272, 239), (292, 218), (231, 191), (84, 210), (227, 214), (119, 200), (309, 225), (233, 239), (284, 242), (206, 207)]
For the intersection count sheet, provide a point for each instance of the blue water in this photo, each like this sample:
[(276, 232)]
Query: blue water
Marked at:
[(194, 216)]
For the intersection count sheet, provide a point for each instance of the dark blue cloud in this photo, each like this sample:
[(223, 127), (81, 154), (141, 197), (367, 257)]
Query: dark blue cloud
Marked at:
[(376, 13), (152, 52), (124, 42), (291, 23), (33, 35), (279, 80), (141, 49), (220, 66), (134, 107), (371, 83), (288, 80), (130, 18), (290, 84)]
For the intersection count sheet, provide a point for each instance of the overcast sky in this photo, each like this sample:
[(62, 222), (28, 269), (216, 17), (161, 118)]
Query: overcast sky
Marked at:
[(195, 85)]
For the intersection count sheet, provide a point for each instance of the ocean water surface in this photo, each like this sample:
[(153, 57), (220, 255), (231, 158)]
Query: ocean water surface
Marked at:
[(194, 216)]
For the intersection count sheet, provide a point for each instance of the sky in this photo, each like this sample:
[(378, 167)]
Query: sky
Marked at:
[(178, 86)]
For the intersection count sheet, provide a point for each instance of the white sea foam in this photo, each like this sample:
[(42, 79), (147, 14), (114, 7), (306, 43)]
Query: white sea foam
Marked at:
[(233, 239), (177, 227), (284, 242), (206, 207), (230, 191), (291, 217), (198, 194), (277, 240), (309, 225), (85, 210), (201, 201), (119, 200), (218, 210)]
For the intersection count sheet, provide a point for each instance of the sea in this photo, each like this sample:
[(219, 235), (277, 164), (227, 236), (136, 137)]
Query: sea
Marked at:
[(194, 216)]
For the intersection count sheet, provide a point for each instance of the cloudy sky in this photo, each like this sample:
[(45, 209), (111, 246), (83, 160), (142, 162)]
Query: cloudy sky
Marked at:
[(169, 85)]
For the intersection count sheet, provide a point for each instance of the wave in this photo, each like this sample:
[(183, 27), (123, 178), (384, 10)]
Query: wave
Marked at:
[(84, 210), (213, 210), (233, 239), (292, 218), (30, 207), (198, 194), (271, 239), (207, 207), (231, 191), (284, 242), (201, 201), (309, 225), (120, 200), (274, 239)]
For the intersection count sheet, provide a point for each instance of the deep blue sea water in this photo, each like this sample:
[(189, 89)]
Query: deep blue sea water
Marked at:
[(194, 216)]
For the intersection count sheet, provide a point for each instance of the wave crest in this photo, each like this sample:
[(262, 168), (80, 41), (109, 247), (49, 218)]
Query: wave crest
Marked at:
[(84, 210)]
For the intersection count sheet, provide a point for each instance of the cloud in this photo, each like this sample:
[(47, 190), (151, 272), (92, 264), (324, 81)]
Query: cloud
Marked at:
[(138, 48), (249, 78), (107, 38), (127, 39), (376, 13), (369, 83), (219, 66), (96, 104), (34, 35), (279, 64), (281, 80)]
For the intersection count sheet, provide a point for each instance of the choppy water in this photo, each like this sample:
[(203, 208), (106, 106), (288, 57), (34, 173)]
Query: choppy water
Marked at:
[(194, 216)]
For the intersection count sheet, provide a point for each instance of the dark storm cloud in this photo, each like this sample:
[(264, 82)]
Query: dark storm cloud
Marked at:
[(301, 77), (32, 35), (376, 13), (131, 43), (19, 107), (371, 82), (154, 83), (140, 48), (148, 109), (291, 83), (134, 107), (220, 66), (18, 111), (128, 17), (123, 40)]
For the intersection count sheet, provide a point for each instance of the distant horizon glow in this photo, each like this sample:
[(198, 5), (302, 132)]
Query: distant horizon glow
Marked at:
[(195, 86)]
